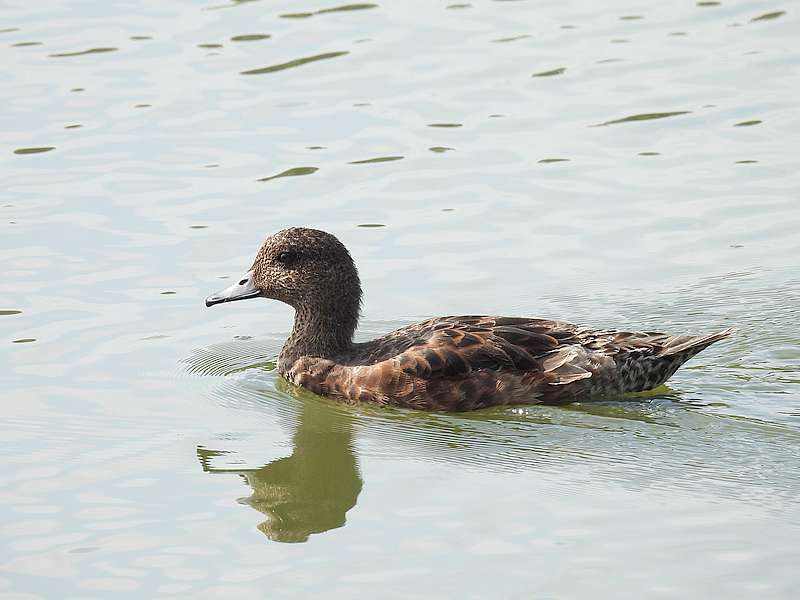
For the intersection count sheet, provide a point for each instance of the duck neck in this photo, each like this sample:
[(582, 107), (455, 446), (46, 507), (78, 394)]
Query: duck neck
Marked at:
[(325, 332)]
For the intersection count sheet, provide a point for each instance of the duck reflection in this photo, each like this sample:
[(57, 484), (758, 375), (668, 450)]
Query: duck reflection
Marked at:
[(310, 491)]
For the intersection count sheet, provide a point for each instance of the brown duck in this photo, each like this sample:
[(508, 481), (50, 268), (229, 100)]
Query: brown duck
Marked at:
[(446, 363)]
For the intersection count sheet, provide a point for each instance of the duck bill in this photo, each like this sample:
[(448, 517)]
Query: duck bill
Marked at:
[(243, 289)]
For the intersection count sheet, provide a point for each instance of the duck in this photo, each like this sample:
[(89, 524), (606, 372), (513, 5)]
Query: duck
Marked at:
[(450, 363)]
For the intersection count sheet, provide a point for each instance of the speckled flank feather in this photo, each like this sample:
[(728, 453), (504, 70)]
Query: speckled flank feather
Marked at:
[(447, 363)]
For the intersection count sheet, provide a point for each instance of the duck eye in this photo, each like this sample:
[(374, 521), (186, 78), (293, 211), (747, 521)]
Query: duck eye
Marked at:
[(285, 256)]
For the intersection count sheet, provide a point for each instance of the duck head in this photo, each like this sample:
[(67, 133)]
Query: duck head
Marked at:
[(305, 268), (313, 272)]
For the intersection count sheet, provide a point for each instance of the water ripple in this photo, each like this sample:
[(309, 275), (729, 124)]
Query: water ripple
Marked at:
[(768, 16), (379, 159), (551, 72), (293, 172), (293, 63), (84, 52), (644, 117), (38, 150)]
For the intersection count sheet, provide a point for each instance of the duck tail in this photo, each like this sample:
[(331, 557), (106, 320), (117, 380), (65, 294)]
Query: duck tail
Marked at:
[(689, 345), (675, 351)]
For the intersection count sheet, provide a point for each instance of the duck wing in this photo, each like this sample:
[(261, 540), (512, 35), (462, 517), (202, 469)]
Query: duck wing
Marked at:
[(456, 346)]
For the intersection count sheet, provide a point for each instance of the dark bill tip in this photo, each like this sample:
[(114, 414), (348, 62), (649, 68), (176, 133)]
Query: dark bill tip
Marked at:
[(243, 289), (212, 300)]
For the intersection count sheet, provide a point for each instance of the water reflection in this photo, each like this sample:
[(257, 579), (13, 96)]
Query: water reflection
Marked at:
[(310, 491)]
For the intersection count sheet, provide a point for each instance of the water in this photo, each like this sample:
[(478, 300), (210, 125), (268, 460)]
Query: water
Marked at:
[(630, 166)]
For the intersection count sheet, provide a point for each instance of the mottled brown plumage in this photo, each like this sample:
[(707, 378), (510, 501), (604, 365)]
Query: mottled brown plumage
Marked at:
[(451, 363)]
